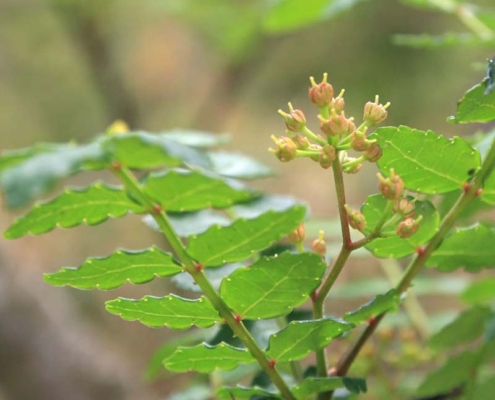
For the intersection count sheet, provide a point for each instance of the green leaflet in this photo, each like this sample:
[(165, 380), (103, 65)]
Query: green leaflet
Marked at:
[(475, 106), (488, 193), (91, 206), (182, 190), (219, 245), (205, 359), (395, 246), (480, 292), (194, 138), (379, 304), (471, 248), (237, 165), (467, 327), (410, 153), (113, 271), (300, 338), (171, 311), (312, 386), (272, 287)]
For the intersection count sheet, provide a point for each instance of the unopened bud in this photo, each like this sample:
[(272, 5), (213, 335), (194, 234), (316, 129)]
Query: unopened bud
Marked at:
[(404, 207), (338, 124), (297, 235), (392, 187), (327, 156), (286, 149), (319, 246), (359, 142), (352, 168), (373, 153), (408, 227), (375, 113), (356, 219), (295, 121), (321, 93), (302, 142), (338, 103)]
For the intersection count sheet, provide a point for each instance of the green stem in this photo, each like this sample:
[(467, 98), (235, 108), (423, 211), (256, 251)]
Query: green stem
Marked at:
[(133, 186), (447, 223), (310, 134)]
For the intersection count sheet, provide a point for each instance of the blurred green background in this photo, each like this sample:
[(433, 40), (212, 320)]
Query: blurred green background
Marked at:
[(69, 68)]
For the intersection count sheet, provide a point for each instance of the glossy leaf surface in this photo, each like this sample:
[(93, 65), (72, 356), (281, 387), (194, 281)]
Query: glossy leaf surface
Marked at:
[(311, 386), (113, 271), (182, 190), (171, 311), (395, 246), (379, 304), (205, 359), (90, 206), (219, 245), (272, 287), (300, 338), (427, 162), (476, 106), (471, 248)]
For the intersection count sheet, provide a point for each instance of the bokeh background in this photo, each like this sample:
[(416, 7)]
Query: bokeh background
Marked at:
[(69, 68)]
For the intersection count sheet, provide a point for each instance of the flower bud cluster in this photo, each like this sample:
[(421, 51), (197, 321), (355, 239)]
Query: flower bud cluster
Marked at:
[(356, 219), (338, 132)]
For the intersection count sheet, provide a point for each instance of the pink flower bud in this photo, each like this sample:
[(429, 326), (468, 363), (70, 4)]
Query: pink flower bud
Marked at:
[(375, 113), (321, 93), (295, 121), (373, 153), (392, 187), (338, 124), (297, 235), (286, 149), (359, 141), (404, 207), (327, 156), (319, 246), (356, 219), (408, 227), (301, 142), (338, 103)]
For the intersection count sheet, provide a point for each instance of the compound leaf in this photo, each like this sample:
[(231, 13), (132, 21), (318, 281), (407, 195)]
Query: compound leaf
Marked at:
[(311, 386), (395, 246), (476, 106), (244, 237), (410, 153), (182, 190), (379, 304), (91, 206), (272, 286), (171, 311), (113, 271), (299, 338), (205, 359), (471, 248)]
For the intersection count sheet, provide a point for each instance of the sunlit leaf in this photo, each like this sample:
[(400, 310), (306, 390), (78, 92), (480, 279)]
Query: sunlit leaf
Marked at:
[(410, 153), (467, 327), (142, 150), (219, 245), (379, 304), (205, 359), (171, 311), (471, 248), (90, 206), (272, 287), (11, 158), (476, 106), (260, 205), (300, 338), (480, 292), (453, 374), (183, 190), (196, 138), (115, 270), (237, 165), (395, 246), (39, 173), (311, 386), (240, 392)]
